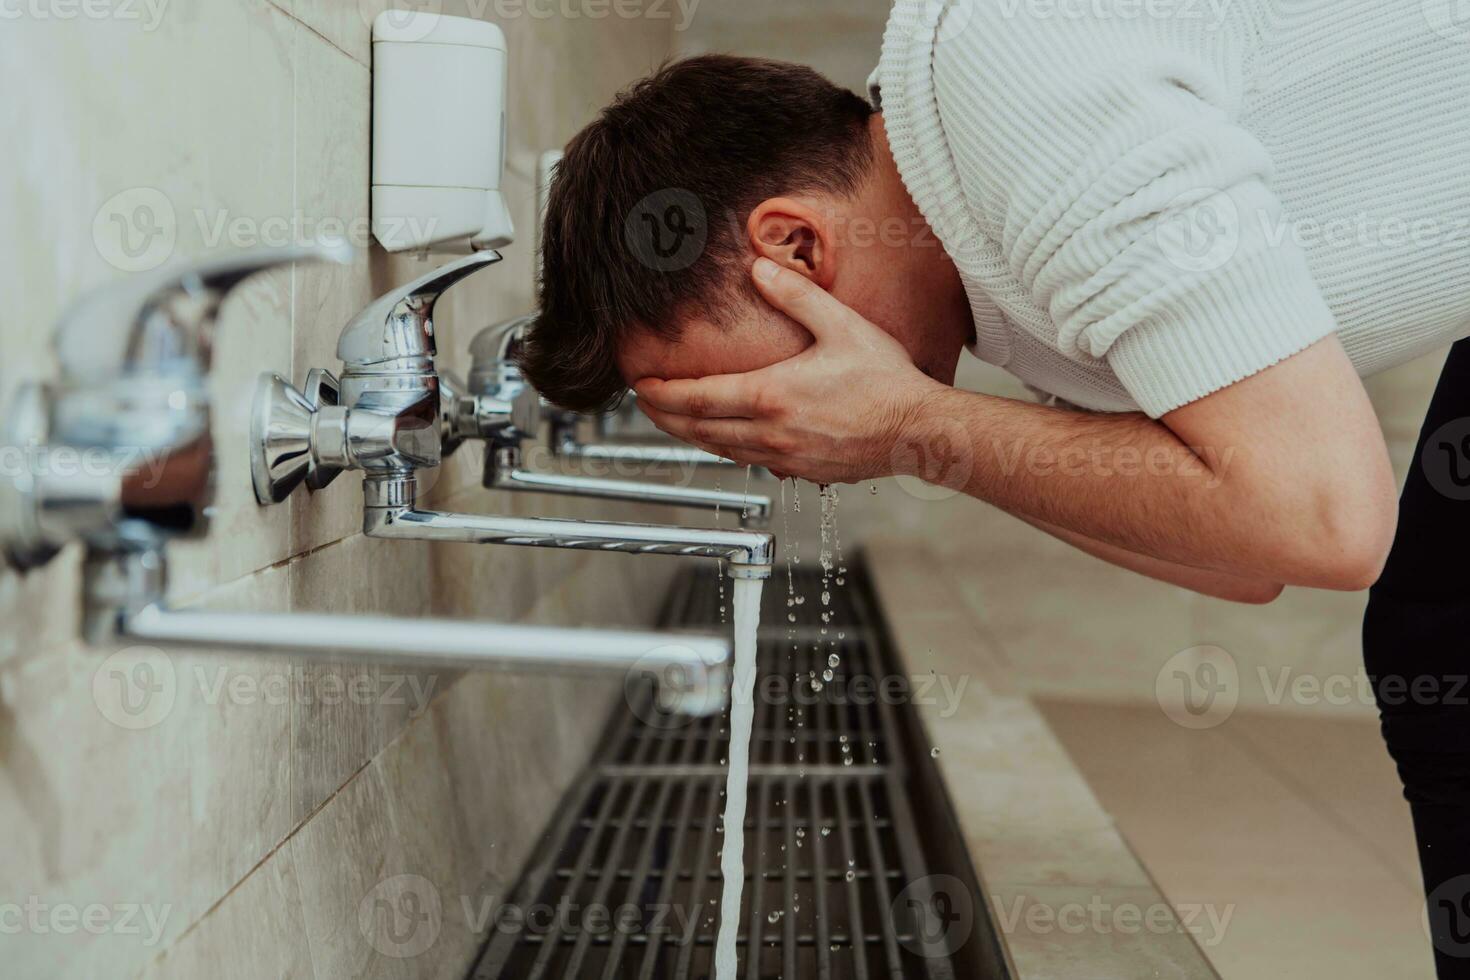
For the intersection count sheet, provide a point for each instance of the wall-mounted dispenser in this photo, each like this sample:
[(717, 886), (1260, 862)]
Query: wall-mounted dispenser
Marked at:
[(439, 133)]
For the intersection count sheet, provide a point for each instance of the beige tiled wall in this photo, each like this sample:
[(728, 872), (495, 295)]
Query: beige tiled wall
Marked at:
[(260, 817)]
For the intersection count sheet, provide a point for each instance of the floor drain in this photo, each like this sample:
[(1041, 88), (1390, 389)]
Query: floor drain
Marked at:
[(627, 884)]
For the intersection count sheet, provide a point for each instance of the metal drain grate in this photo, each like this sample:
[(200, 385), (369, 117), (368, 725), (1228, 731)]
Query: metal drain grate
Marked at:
[(628, 883)]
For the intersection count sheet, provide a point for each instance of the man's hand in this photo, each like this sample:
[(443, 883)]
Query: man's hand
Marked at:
[(1280, 478), (832, 414)]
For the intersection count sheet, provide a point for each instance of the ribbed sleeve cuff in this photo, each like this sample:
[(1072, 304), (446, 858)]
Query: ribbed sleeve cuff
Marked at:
[(1230, 326)]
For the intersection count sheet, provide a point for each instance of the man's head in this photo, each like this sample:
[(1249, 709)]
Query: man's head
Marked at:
[(660, 206)]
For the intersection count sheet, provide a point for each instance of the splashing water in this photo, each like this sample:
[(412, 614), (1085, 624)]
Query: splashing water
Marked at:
[(830, 559), (719, 563), (742, 719), (745, 497)]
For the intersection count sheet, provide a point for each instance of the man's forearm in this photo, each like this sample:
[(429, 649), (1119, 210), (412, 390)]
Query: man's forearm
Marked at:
[(1308, 500), (1122, 481), (1220, 585)]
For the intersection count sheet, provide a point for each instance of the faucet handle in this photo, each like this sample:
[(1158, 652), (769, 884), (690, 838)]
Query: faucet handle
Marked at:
[(400, 323)]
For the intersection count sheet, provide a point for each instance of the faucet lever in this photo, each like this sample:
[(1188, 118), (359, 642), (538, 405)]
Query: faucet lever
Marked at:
[(390, 412), (400, 324)]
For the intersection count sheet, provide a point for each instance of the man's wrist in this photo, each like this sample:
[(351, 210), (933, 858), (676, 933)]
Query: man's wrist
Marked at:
[(925, 444)]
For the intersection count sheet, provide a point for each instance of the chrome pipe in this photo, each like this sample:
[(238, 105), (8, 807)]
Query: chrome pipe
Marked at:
[(503, 471), (692, 669), (390, 513), (753, 510), (639, 454)]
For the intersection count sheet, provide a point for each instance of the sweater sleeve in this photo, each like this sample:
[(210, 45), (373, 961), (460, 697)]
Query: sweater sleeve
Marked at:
[(1103, 157)]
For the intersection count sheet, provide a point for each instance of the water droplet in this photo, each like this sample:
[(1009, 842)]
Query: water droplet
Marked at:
[(934, 752), (826, 831), (833, 660), (851, 874), (827, 675), (775, 916)]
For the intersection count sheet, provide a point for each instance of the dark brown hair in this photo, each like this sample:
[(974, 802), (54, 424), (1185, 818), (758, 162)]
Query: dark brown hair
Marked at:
[(646, 219)]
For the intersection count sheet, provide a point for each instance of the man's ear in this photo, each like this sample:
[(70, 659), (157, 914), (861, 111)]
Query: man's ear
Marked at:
[(795, 236)]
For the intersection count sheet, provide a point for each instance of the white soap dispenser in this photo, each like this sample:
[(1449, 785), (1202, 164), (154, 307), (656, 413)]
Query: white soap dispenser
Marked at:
[(439, 133)]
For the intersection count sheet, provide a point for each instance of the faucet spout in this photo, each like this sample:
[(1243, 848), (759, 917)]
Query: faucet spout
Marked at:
[(692, 670), (124, 603), (503, 471), (753, 510), (390, 512)]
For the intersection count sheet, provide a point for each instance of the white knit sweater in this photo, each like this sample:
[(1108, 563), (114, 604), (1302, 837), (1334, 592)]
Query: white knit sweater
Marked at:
[(1149, 200)]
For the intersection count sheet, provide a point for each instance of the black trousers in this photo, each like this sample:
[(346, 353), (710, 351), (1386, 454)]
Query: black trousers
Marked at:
[(1416, 643)]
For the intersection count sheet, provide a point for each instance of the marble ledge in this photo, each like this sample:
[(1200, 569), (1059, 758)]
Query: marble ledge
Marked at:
[(1040, 842)]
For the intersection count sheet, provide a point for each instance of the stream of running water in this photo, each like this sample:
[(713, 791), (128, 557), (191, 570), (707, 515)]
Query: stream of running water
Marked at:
[(742, 717), (747, 603)]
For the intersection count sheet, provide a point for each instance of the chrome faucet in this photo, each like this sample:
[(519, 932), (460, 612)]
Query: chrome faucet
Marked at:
[(392, 415), (495, 378), (117, 451), (117, 457)]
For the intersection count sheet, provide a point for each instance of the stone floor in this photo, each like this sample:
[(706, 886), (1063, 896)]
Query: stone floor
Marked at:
[(1293, 823)]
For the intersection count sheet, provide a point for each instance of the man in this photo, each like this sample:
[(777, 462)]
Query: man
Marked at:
[(1190, 236)]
